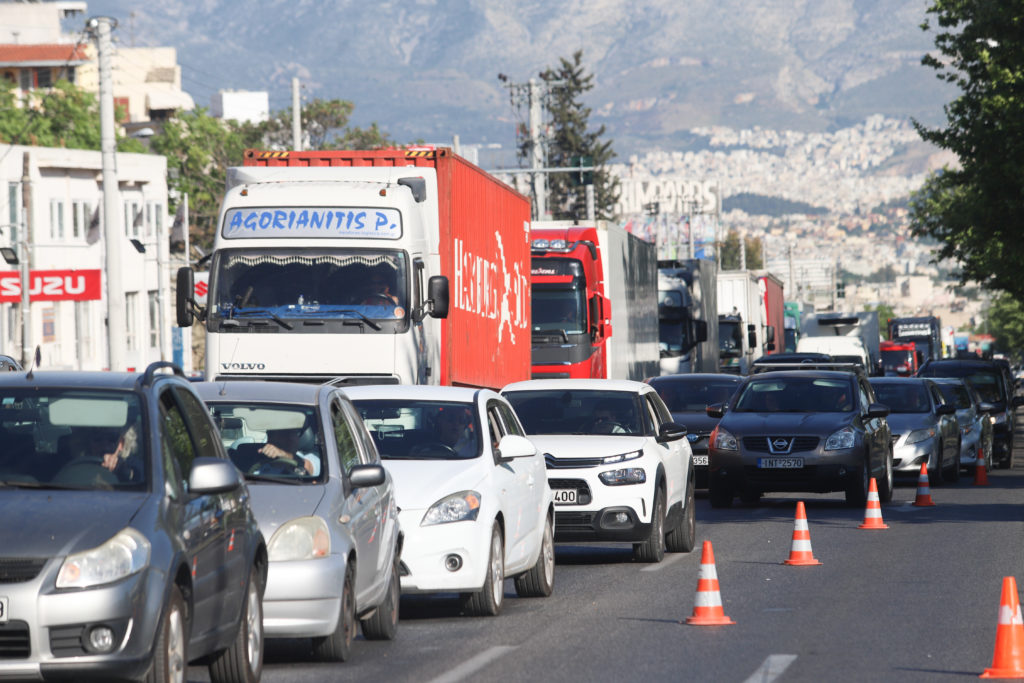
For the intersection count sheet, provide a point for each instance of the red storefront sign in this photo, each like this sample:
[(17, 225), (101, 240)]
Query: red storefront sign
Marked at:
[(52, 285)]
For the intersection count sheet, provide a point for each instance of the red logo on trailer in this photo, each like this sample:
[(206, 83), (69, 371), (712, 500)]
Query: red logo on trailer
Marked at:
[(52, 285)]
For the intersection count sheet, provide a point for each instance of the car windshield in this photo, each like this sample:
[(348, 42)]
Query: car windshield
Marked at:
[(956, 394), (577, 411), (693, 396), (796, 395), (903, 397), (72, 438), (422, 430), (988, 383), (269, 441)]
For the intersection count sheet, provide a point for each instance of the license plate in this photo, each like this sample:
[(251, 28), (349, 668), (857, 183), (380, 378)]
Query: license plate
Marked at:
[(780, 463), (565, 496), (3, 610), (700, 459)]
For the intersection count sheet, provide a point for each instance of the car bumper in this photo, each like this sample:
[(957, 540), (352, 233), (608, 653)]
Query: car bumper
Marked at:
[(699, 460), (604, 513), (822, 472), (303, 597), (55, 627), (907, 458), (969, 449), (427, 548)]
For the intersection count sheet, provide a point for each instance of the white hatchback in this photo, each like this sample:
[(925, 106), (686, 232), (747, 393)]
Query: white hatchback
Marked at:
[(619, 467), (472, 491)]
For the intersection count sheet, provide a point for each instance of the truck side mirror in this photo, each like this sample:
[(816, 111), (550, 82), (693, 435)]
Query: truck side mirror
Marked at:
[(185, 285), (751, 336), (594, 310), (769, 336), (437, 296), (700, 330)]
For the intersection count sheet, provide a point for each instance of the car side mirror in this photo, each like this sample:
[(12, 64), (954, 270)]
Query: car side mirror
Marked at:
[(213, 475), (514, 446), (986, 407), (365, 476), (878, 410), (671, 431), (715, 410), (945, 409)]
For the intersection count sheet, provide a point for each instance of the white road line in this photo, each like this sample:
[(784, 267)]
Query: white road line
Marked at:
[(772, 668), (474, 664), (669, 559)]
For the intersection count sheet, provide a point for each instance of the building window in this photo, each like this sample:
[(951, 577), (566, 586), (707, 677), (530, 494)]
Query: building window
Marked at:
[(25, 79), (44, 78), (131, 302), (133, 218), (154, 321), (56, 220), (154, 219), (81, 215)]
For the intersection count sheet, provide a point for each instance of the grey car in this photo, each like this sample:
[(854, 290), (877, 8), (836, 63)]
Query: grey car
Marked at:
[(924, 427), (128, 548), (973, 418), (325, 503)]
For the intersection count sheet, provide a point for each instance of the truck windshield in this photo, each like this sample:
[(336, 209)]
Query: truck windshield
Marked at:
[(673, 337), (559, 309), (730, 341), (309, 284), (898, 362)]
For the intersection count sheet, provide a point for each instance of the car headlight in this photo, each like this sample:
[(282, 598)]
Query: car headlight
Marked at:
[(628, 475), (844, 438), (458, 507), (123, 555), (723, 440), (919, 435), (303, 538), (622, 457), (1000, 418)]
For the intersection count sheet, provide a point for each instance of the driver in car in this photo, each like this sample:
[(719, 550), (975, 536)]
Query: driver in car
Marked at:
[(451, 427), (284, 443)]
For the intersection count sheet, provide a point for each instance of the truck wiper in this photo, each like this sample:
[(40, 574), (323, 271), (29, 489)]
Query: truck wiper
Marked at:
[(262, 313), (366, 320)]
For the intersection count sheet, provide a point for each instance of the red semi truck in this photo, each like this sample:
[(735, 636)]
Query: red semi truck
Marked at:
[(774, 312), (303, 236)]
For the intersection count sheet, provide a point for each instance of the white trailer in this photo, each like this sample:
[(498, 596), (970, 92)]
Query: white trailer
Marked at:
[(741, 334)]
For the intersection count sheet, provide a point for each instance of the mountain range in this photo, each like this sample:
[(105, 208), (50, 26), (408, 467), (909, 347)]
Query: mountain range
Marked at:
[(427, 69)]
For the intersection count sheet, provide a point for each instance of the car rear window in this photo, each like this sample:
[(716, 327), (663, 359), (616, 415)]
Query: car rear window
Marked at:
[(681, 396), (796, 395), (903, 397)]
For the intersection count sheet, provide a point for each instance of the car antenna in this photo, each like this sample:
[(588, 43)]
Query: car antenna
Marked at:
[(37, 359)]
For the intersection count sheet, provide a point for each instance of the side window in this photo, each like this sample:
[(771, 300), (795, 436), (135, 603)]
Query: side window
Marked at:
[(175, 438), (511, 421), (199, 421), (494, 426), (865, 396), (370, 456), (651, 419), (348, 453), (664, 415)]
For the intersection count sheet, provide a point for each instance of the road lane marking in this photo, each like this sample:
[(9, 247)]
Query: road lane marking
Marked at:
[(474, 664), (772, 668), (669, 559)]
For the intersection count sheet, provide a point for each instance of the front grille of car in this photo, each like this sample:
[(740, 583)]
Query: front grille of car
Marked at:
[(14, 641), (759, 444), (574, 521), (583, 495), (20, 569), (554, 463)]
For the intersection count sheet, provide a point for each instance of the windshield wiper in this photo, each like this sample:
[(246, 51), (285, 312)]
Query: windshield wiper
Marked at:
[(366, 320), (293, 481), (264, 313), (39, 485)]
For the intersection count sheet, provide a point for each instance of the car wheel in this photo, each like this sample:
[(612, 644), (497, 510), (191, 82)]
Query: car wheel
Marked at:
[(719, 494), (952, 475), (337, 647), (653, 549), (885, 486), (383, 623), (170, 660), (540, 580), (683, 535), (487, 601), (242, 662), (857, 488), (935, 474), (750, 496)]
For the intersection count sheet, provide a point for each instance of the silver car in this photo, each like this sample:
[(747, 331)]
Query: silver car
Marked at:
[(127, 547), (325, 502), (924, 427), (974, 421)]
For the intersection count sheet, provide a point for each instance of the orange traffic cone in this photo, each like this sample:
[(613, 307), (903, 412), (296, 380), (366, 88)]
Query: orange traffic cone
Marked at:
[(800, 552), (980, 471), (1008, 659), (707, 607), (873, 513), (924, 492)]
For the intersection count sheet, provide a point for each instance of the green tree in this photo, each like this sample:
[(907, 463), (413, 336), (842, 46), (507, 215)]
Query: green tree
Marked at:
[(1006, 323), (575, 144), (730, 257), (885, 313), (326, 123), (974, 210)]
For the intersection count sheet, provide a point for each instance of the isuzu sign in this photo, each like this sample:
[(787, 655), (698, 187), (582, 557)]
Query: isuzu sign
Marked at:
[(52, 285)]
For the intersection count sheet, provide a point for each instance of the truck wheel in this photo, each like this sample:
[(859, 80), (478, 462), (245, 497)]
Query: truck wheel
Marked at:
[(242, 662), (683, 535), (653, 549), (540, 580), (170, 661), (337, 647), (720, 494), (487, 601), (383, 623)]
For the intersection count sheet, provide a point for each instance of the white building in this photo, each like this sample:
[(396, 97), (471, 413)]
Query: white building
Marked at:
[(56, 215), (248, 106)]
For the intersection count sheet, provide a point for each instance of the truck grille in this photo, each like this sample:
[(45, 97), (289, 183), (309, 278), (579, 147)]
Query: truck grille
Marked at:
[(20, 569), (554, 463), (759, 444), (14, 640)]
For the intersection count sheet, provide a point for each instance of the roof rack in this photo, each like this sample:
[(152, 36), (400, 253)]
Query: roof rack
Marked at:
[(768, 366)]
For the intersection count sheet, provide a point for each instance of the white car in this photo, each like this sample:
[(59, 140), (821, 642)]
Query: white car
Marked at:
[(627, 478), (472, 490)]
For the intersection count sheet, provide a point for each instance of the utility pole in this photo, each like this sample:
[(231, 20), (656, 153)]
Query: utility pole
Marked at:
[(296, 117), (537, 150), (112, 232), (25, 267), (793, 289)]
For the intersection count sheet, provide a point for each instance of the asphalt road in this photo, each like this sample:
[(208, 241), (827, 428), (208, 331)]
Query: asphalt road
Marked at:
[(915, 602)]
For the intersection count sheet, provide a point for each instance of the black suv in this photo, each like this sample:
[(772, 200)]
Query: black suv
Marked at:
[(995, 391)]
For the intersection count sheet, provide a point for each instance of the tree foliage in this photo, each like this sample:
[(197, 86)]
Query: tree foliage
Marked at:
[(730, 258), (975, 209), (573, 143), (325, 123), (885, 314), (1006, 324)]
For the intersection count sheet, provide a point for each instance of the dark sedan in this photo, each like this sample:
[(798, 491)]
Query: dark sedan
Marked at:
[(687, 397), (803, 430)]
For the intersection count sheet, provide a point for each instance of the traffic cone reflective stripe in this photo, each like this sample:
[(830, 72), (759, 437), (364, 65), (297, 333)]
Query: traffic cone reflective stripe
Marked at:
[(980, 471), (873, 513), (924, 492), (800, 551), (707, 606), (1008, 658)]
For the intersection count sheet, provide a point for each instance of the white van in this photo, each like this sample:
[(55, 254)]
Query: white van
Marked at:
[(842, 349)]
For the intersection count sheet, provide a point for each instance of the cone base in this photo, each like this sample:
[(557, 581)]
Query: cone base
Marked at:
[(924, 503), (801, 563), (710, 621), (1002, 673), (980, 483), (873, 526)]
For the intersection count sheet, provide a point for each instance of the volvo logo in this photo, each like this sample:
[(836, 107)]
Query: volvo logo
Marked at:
[(243, 366), (779, 444)]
